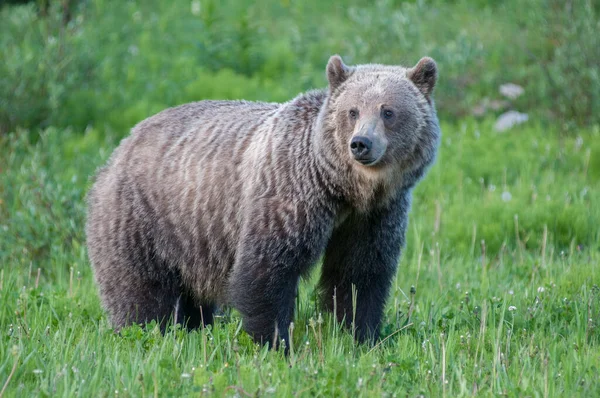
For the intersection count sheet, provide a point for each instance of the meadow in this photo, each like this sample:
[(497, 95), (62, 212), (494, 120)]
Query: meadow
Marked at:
[(498, 289)]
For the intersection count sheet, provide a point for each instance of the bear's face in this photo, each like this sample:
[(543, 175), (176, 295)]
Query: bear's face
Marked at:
[(380, 112)]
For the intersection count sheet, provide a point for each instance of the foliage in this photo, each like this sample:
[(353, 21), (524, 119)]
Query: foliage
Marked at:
[(518, 318), (111, 64)]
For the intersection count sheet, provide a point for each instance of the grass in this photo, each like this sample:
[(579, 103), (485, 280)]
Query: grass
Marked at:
[(497, 292)]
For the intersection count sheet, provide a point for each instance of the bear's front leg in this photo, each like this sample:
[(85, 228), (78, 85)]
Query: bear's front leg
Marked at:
[(279, 242), (364, 252)]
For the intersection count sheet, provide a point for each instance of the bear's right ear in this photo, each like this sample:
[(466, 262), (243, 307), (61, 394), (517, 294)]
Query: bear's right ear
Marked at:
[(337, 72)]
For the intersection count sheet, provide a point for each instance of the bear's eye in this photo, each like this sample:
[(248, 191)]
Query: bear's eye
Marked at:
[(387, 114), (353, 114)]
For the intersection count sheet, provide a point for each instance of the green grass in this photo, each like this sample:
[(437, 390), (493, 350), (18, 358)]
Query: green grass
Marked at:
[(503, 251)]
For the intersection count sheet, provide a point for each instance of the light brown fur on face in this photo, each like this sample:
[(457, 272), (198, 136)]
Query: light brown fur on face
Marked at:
[(401, 145), (230, 202)]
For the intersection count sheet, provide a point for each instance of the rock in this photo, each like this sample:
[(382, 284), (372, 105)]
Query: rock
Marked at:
[(511, 90), (510, 119)]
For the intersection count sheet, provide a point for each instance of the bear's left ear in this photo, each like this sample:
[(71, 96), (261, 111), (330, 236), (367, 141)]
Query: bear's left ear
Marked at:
[(424, 75), (337, 72)]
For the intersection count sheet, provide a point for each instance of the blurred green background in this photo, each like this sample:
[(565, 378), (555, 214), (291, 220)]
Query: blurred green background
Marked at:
[(110, 64)]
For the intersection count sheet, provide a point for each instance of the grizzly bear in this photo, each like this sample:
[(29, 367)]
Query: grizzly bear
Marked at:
[(229, 203)]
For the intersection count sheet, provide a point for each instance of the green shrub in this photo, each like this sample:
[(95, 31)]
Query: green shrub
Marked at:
[(572, 74), (43, 62), (112, 64)]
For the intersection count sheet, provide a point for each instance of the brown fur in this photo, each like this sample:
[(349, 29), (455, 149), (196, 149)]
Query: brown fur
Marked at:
[(229, 202)]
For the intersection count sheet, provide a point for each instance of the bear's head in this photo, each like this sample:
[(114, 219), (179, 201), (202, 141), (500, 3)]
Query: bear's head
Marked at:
[(383, 117)]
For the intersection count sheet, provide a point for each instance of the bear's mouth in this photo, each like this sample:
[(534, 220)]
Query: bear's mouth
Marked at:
[(368, 161)]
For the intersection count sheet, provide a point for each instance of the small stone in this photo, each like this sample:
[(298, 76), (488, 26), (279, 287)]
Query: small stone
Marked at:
[(510, 119), (511, 90)]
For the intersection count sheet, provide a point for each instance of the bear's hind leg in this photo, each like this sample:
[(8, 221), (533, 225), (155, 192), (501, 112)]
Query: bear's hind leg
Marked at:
[(134, 297), (130, 249)]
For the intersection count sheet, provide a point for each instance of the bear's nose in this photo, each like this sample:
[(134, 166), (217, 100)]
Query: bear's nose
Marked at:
[(360, 146)]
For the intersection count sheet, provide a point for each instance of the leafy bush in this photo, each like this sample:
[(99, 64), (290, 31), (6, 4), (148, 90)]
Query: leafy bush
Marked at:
[(45, 60), (572, 74), (112, 64)]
